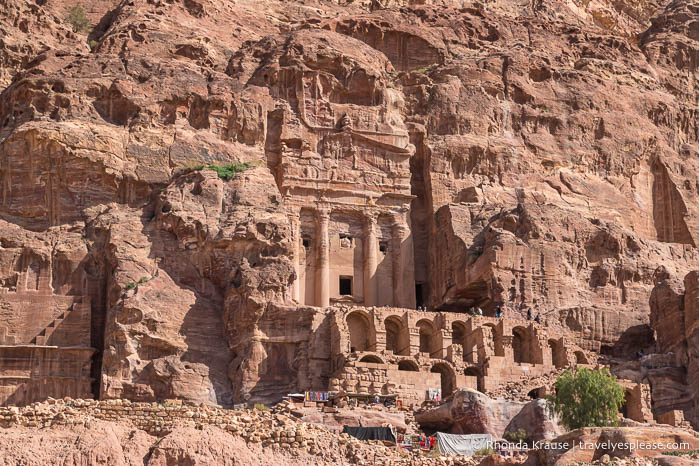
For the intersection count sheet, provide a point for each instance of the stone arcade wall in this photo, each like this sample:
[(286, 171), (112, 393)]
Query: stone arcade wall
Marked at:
[(406, 352)]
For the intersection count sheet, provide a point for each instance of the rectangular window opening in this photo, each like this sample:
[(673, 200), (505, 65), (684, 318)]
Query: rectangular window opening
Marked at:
[(345, 286), (419, 299)]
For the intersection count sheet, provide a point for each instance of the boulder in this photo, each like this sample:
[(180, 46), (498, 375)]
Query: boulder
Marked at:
[(591, 443), (471, 412), (537, 420)]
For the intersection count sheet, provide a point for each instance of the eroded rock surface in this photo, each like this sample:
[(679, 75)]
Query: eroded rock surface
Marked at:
[(471, 412), (455, 154)]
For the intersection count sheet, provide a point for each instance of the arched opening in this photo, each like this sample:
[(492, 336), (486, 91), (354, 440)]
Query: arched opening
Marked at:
[(426, 332), (371, 358), (397, 339), (458, 337), (558, 356), (446, 376), (360, 332), (632, 407), (490, 333), (475, 372), (536, 393), (472, 371), (580, 358), (407, 365), (520, 345), (624, 409)]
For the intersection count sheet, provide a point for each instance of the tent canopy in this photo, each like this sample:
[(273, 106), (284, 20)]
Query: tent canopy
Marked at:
[(467, 445), (370, 433)]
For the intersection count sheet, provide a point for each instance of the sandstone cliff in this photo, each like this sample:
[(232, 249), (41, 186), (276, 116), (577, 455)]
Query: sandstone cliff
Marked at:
[(540, 154)]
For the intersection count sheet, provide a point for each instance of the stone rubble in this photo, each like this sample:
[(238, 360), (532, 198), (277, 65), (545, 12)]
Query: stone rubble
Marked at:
[(269, 428)]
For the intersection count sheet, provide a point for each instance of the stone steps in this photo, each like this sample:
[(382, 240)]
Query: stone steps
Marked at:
[(43, 337)]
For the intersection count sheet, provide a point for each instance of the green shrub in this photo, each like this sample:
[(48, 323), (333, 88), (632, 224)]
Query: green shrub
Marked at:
[(680, 453), (515, 436), (77, 19), (143, 280), (93, 44), (587, 398), (227, 172), (261, 407), (485, 451), (130, 286)]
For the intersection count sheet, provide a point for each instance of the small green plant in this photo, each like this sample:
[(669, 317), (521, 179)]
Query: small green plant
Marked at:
[(587, 398), (422, 70), (485, 451), (78, 20), (261, 407), (143, 280), (227, 172), (93, 44), (516, 436), (130, 286), (681, 453)]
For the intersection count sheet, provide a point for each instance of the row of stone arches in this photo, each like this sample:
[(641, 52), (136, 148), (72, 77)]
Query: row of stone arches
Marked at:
[(403, 365), (446, 372), (363, 335)]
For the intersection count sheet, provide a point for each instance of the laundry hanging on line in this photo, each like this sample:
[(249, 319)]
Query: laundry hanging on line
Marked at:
[(316, 396)]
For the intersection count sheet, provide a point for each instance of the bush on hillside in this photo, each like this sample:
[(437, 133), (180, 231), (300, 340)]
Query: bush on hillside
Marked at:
[(587, 398), (77, 19)]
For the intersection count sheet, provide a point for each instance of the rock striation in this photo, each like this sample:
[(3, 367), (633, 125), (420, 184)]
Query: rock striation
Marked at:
[(228, 201)]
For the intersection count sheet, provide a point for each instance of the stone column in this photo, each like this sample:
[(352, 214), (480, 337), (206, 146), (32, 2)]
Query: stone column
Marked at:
[(507, 348), (403, 263), (323, 262), (414, 336), (370, 260), (296, 238)]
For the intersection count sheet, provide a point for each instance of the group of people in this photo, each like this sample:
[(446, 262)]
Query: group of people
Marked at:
[(427, 443), (537, 319), (498, 312)]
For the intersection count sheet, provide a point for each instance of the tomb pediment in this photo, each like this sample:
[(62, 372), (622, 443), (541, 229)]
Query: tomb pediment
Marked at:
[(348, 160)]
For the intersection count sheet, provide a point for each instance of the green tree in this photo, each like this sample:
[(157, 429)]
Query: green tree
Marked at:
[(77, 19), (587, 398)]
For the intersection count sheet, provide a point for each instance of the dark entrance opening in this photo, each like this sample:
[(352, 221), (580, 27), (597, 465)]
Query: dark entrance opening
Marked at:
[(419, 300), (345, 286)]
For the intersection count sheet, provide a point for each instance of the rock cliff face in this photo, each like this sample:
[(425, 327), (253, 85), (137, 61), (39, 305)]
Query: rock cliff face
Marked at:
[(552, 150), (674, 314)]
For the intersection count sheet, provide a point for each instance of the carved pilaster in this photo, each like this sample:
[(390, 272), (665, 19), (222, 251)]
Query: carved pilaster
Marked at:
[(295, 219), (403, 262), (370, 260), (323, 254)]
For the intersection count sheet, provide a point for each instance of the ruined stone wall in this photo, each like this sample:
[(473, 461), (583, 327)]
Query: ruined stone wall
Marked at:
[(159, 419), (403, 352)]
